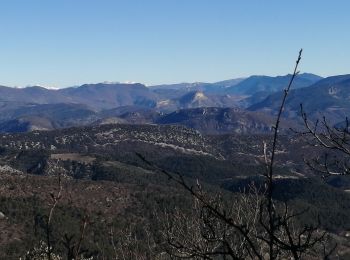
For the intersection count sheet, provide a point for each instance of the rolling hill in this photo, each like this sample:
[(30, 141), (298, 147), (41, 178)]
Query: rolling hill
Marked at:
[(214, 120)]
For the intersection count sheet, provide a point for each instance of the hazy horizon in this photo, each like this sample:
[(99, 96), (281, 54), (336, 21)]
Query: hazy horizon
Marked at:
[(170, 83)]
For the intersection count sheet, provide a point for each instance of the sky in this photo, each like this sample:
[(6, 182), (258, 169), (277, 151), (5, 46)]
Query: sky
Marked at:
[(61, 43)]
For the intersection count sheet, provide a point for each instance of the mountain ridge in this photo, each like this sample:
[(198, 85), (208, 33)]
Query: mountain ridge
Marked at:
[(328, 97)]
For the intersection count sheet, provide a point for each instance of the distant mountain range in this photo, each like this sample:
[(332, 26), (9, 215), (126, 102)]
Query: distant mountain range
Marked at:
[(207, 120), (239, 105), (329, 97), (185, 95)]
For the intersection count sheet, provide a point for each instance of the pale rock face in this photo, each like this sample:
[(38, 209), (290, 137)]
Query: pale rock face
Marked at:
[(332, 91), (163, 103), (200, 96)]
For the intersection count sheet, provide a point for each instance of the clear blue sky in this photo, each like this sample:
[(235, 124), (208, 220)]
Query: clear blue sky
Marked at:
[(69, 42)]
